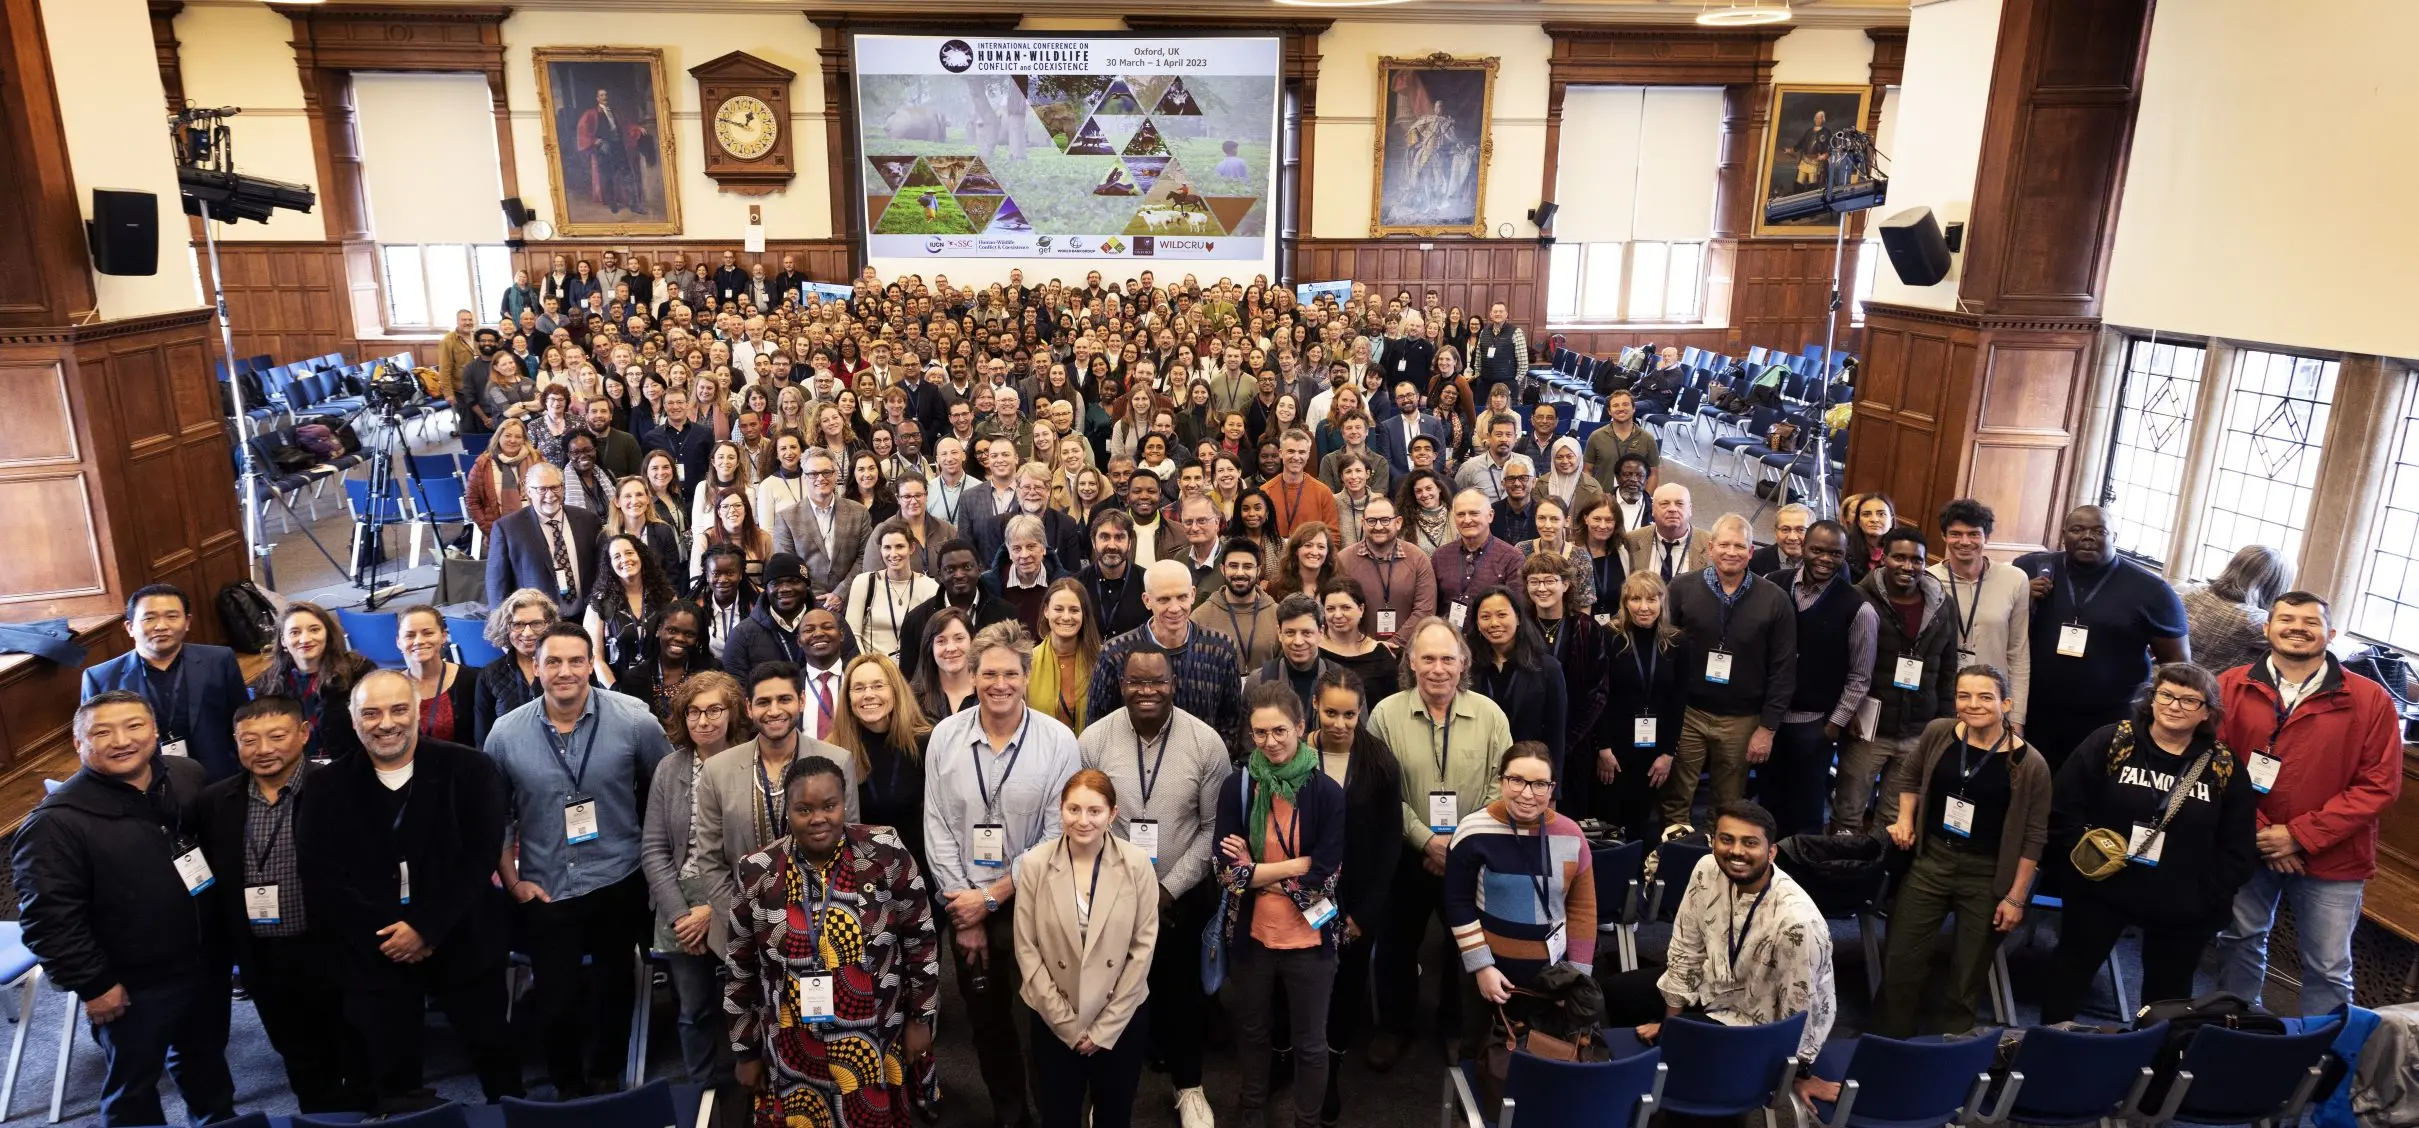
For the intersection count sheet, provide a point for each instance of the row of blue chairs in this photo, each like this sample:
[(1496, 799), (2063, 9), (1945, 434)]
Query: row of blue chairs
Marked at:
[(2055, 1078), (372, 634)]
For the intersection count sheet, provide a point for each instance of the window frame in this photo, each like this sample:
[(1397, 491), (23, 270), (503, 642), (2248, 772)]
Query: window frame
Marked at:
[(2205, 557), (2187, 419), (1628, 284), (486, 293), (2400, 462)]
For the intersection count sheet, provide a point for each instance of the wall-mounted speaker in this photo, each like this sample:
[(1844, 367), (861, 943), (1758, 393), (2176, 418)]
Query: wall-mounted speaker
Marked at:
[(1918, 251), (124, 232), (1543, 214), (514, 213)]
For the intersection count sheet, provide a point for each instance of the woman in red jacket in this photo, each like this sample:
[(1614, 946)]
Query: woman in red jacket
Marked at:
[(2322, 748)]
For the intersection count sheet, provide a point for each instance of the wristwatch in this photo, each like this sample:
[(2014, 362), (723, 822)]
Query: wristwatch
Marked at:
[(990, 905)]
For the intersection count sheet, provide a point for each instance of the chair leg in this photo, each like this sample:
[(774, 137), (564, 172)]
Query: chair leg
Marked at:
[(2003, 1008), (640, 1011), (1869, 930), (67, 1046), (2116, 983), (29, 989)]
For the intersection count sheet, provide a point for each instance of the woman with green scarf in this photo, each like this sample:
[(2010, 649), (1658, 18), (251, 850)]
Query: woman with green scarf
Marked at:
[(1281, 842)]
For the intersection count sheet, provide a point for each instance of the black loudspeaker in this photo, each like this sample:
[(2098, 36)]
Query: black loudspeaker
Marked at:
[(1918, 252), (124, 232), (1543, 214), (514, 213)]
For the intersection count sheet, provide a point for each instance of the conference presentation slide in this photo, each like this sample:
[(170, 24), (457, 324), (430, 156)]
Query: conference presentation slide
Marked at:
[(1106, 149)]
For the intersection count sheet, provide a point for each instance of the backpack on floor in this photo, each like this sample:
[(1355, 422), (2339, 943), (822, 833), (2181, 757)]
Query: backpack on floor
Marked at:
[(2184, 1018), (246, 618)]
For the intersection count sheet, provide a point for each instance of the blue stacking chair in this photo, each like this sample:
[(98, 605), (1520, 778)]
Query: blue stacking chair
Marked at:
[(2236, 1077), (1617, 869), (1623, 1093), (474, 444), (1888, 1083), (447, 1115), (371, 635), (1752, 429), (1720, 1071), (1674, 861), (471, 647), (22, 973), (426, 467), (441, 501), (1682, 410), (2082, 1078), (648, 1106), (371, 520)]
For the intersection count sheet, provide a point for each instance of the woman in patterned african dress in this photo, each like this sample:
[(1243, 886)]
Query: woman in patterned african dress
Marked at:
[(835, 966)]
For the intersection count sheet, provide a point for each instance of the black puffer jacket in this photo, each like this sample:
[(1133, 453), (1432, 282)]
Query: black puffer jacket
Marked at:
[(97, 886)]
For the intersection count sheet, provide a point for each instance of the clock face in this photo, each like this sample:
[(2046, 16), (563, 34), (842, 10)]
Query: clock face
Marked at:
[(746, 127)]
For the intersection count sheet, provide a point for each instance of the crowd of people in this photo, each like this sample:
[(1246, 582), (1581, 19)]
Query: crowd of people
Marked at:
[(1320, 643)]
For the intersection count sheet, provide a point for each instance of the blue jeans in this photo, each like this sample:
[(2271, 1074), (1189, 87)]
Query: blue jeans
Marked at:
[(2324, 914)]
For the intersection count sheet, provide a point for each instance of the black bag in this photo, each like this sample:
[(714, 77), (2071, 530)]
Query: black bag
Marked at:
[(1842, 873), (2389, 668), (1559, 1017), (2184, 1018), (292, 459), (246, 618), (346, 436)]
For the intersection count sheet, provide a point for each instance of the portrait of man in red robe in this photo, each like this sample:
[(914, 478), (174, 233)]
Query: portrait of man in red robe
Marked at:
[(610, 147)]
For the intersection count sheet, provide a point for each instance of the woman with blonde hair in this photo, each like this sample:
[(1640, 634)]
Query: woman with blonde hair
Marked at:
[(1639, 728), (494, 489), (885, 734)]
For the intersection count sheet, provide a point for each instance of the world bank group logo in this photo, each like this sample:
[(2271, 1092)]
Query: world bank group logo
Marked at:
[(957, 57)]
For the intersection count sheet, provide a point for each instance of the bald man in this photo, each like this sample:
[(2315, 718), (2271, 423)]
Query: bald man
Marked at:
[(1207, 665), (544, 545), (1671, 546), (2099, 622)]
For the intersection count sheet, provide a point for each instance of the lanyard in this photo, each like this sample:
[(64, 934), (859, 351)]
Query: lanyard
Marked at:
[(890, 599), (306, 691), (1469, 566), (1150, 776), (1285, 842), (561, 743), (1293, 504), (1103, 606), (281, 816), (1443, 739), (1543, 879), (1385, 575), (949, 507), (1249, 640), (814, 909), (1967, 770), (1728, 602), (1645, 658), (1016, 751), (1738, 936), (2075, 605), (1091, 900), (765, 793), (1605, 564), (170, 713), (2300, 692), (1965, 624)]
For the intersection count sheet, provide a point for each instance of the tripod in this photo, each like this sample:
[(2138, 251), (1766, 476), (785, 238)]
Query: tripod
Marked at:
[(1822, 403), (386, 494)]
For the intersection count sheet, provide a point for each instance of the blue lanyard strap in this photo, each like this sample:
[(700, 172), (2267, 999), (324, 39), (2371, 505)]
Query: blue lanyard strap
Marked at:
[(561, 744), (1150, 777), (1016, 751)]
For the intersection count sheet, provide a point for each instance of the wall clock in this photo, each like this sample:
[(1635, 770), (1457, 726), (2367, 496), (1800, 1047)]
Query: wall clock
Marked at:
[(746, 102)]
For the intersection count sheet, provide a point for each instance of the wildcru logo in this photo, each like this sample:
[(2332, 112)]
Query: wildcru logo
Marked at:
[(957, 56)]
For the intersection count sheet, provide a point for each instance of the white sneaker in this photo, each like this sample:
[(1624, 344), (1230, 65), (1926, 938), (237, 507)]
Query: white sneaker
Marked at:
[(1193, 1110)]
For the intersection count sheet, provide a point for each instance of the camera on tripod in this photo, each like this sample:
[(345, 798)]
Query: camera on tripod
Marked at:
[(391, 388)]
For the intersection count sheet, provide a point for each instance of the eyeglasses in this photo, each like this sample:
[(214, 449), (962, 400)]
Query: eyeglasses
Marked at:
[(1513, 783), (708, 712), (2178, 701), (531, 626)]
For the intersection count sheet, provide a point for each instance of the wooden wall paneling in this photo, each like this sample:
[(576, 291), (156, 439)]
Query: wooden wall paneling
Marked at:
[(164, 45), (1470, 273), (38, 701), (2058, 132), (45, 271), (285, 300)]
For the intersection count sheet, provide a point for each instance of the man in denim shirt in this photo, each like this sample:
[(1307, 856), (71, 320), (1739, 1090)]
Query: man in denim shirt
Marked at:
[(576, 764)]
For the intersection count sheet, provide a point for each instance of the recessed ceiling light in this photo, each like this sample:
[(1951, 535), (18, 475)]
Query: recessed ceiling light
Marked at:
[(1745, 13)]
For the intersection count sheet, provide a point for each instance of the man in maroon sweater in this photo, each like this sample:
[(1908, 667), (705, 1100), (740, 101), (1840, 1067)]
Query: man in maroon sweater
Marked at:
[(2321, 747)]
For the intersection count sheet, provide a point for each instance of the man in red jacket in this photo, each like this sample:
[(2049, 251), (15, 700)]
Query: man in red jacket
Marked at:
[(2323, 750)]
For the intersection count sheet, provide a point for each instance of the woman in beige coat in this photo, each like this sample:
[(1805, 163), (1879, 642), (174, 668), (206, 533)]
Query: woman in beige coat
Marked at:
[(1087, 917)]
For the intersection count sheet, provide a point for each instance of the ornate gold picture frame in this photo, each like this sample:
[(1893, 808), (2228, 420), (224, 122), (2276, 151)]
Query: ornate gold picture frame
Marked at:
[(607, 121), (1434, 143)]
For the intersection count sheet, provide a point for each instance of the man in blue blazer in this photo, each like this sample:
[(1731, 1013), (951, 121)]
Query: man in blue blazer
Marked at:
[(520, 549), (1394, 434), (194, 689)]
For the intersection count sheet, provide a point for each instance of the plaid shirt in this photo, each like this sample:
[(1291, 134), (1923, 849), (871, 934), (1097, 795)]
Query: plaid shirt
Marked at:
[(269, 854)]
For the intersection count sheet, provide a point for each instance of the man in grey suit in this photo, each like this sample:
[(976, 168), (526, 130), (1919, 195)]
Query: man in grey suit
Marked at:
[(827, 532), (1670, 547)]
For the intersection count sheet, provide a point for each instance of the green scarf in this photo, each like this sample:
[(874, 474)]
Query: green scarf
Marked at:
[(1271, 780)]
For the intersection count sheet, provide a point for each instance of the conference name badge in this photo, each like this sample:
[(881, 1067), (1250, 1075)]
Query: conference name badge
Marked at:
[(990, 845), (1958, 817), (815, 998), (579, 820), (174, 748), (1717, 667), (1909, 674), (2071, 639), (260, 904), (2144, 845), (1444, 811), (2263, 771), (194, 870), (1144, 834)]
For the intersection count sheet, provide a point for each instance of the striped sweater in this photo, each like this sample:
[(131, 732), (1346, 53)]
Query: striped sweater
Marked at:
[(1491, 898)]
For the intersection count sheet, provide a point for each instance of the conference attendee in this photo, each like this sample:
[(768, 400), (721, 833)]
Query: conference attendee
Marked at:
[(880, 598), (1973, 805), (1595, 529), (1670, 547), (248, 835), (1240, 608), (826, 532), (1561, 479), (1499, 350), (823, 650), (1869, 516), (1513, 668), (511, 679), (448, 691), (1399, 578), (924, 531), (2325, 758), (1063, 545), (1991, 601), (1748, 947), (1025, 571), (707, 715), (770, 632), (1451, 741), (193, 688), (315, 664), (738, 797), (1169, 783), (962, 589), (629, 590), (576, 763), (2227, 616), (1061, 684), (1281, 837), (1739, 674), (1086, 930), (1643, 708), (726, 473), (689, 444), (1836, 625), (1154, 536), (1112, 580), (1207, 664), (800, 997), (1303, 563), (633, 515), (1394, 436), (1661, 384), (1913, 683), (543, 545), (1377, 666), (617, 450), (1552, 526), (1473, 561), (1301, 628), (1517, 908), (1366, 769), (1789, 525), (108, 868), (1485, 471), (1621, 437), (2099, 621), (1577, 645), (1295, 495), (2185, 805), (1515, 519), (884, 733), (1197, 516), (992, 781), (944, 678)]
